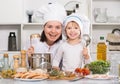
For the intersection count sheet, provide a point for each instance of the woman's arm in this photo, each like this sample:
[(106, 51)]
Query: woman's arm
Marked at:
[(57, 59), (30, 51)]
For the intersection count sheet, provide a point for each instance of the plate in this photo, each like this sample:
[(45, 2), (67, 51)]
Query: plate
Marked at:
[(21, 79), (100, 77)]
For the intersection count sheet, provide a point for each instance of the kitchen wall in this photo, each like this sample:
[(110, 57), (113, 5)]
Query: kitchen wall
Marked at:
[(14, 11)]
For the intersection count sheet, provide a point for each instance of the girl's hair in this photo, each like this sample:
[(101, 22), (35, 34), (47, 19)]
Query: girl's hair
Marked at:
[(43, 37)]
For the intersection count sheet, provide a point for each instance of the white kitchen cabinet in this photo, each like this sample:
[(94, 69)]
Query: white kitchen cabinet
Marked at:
[(18, 21), (5, 29), (102, 28)]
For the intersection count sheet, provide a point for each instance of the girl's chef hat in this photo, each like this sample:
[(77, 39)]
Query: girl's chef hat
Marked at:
[(81, 20), (52, 11)]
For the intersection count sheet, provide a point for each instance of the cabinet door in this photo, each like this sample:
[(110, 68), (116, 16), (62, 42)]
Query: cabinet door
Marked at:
[(11, 11)]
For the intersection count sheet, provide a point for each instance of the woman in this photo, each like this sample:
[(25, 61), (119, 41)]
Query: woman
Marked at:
[(53, 15)]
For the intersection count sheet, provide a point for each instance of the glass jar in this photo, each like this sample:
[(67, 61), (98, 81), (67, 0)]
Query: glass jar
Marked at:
[(7, 72)]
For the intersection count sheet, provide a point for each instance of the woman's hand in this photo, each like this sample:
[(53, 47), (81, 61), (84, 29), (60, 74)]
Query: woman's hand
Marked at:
[(30, 51), (85, 53), (55, 68)]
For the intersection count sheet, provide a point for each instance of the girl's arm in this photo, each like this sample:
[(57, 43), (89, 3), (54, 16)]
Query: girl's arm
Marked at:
[(86, 54)]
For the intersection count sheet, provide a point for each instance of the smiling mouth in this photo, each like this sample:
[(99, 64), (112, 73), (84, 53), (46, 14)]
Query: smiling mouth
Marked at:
[(52, 36)]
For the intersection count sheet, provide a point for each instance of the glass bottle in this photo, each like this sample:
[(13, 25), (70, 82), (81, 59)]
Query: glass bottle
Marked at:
[(6, 71), (5, 62), (101, 49)]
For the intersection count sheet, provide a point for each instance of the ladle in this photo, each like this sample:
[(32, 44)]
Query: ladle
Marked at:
[(87, 39)]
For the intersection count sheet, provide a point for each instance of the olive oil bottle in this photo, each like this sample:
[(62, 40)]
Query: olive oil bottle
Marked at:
[(101, 49)]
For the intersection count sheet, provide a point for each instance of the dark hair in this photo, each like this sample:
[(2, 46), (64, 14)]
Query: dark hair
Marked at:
[(43, 37)]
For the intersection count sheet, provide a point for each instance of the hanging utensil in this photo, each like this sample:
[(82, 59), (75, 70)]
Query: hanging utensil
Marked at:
[(87, 39)]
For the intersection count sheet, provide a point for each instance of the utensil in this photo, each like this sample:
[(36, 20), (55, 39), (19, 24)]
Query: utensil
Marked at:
[(87, 39), (76, 79)]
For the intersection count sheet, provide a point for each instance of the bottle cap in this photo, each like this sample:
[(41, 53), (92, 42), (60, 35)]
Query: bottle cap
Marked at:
[(23, 51), (16, 56), (101, 38), (34, 36), (5, 55)]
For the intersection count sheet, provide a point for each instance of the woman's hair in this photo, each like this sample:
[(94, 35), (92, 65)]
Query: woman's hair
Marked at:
[(43, 37)]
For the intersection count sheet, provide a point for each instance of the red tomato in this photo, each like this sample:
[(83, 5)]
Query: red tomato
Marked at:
[(85, 71), (78, 70)]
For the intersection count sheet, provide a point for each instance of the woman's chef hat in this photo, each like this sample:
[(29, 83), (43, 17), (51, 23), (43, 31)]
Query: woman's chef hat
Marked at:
[(81, 20), (52, 11)]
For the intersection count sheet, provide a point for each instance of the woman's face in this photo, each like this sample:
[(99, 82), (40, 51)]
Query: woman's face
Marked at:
[(53, 30)]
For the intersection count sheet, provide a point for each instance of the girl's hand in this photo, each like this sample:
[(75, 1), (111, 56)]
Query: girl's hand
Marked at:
[(30, 51), (85, 53)]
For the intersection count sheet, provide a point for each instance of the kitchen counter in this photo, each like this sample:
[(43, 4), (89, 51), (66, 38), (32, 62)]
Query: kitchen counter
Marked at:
[(81, 81)]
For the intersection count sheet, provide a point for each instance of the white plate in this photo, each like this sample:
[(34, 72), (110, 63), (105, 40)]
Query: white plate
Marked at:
[(100, 77), (21, 79)]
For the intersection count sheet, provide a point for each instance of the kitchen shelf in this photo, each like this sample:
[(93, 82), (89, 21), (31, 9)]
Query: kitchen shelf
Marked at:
[(10, 52), (32, 24), (105, 24), (98, 29)]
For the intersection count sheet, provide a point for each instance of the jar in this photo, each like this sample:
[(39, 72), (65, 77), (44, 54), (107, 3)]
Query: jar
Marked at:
[(42, 61), (23, 58), (34, 39), (7, 72), (16, 62)]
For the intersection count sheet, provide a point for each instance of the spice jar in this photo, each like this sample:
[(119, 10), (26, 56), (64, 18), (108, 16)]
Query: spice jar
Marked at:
[(23, 58), (16, 62)]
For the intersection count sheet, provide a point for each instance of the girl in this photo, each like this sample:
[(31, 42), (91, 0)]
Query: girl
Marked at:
[(72, 52)]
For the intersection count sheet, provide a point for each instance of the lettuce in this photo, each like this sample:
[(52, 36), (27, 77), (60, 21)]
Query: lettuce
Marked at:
[(99, 67)]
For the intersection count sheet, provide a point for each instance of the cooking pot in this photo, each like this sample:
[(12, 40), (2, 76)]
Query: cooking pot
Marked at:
[(40, 61)]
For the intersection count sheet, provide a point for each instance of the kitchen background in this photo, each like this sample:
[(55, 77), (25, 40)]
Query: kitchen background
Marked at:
[(103, 14)]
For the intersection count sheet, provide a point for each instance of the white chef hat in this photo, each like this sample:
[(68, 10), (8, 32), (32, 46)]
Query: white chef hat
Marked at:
[(52, 11), (81, 20)]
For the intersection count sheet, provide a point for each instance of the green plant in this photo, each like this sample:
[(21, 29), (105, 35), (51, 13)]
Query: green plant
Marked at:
[(99, 67)]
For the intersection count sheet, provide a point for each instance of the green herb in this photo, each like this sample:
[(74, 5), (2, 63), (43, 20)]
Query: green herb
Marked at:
[(54, 72), (99, 67)]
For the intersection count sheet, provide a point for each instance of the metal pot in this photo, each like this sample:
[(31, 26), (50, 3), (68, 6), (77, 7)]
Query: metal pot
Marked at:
[(41, 61)]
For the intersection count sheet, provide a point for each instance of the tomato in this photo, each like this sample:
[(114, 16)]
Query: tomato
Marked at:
[(85, 71), (78, 70)]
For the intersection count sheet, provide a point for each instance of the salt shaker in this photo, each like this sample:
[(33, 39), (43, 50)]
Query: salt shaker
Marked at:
[(23, 58), (16, 62)]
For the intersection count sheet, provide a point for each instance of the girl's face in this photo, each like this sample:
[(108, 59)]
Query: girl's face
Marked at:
[(72, 30), (53, 31)]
